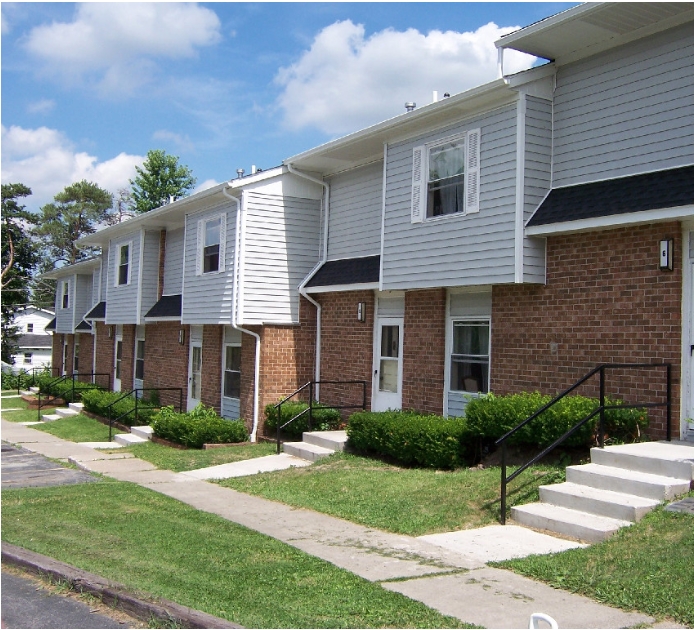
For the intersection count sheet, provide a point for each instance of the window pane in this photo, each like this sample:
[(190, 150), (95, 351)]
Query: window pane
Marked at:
[(471, 338), (233, 358), (212, 230), (470, 357), (211, 259), (469, 375), (390, 341), (123, 274), (388, 375), (139, 369), (232, 384), (447, 160), (124, 254)]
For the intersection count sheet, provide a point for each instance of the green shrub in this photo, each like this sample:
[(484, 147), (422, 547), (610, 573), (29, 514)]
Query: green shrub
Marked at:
[(489, 417), (411, 438), (99, 401), (200, 426), (324, 418)]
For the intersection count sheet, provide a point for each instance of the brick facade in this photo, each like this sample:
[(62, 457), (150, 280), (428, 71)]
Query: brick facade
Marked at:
[(166, 360), (127, 364), (86, 356), (56, 354), (424, 348), (605, 301), (104, 347), (248, 378), (211, 383)]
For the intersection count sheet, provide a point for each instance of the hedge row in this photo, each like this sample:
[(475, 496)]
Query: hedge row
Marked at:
[(200, 426), (99, 401), (64, 389), (324, 418)]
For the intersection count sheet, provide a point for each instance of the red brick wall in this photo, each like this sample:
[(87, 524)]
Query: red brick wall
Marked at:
[(56, 354), (104, 353), (605, 301), (248, 379), (86, 356), (211, 385), (166, 361), (346, 346), (70, 357), (127, 365), (424, 348)]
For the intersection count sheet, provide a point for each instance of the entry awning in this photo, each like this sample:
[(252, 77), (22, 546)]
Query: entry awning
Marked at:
[(98, 313), (354, 273), (168, 308), (84, 326), (50, 326)]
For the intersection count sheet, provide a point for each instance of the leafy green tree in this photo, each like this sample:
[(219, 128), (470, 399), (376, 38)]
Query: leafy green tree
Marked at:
[(77, 211), (18, 262), (160, 179)]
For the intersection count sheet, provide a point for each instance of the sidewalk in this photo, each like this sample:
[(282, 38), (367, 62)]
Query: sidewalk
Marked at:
[(446, 572)]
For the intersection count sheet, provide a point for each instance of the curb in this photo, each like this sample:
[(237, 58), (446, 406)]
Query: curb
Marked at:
[(111, 592)]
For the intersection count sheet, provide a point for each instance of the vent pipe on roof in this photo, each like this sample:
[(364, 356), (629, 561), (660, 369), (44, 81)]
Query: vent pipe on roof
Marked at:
[(254, 170), (410, 106), (435, 97), (240, 172)]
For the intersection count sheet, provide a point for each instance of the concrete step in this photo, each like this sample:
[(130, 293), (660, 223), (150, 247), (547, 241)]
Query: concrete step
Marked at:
[(304, 450), (269, 463), (625, 507), (588, 527), (77, 406), (144, 431), (66, 412), (656, 458), (332, 440), (128, 438), (33, 390), (50, 417), (627, 481)]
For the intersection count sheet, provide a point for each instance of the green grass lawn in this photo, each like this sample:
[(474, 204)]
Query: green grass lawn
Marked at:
[(25, 415), (14, 403), (156, 544), (648, 567), (179, 460), (408, 501), (77, 429)]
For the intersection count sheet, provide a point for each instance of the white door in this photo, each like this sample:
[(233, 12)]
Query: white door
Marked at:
[(387, 381), (194, 374), (63, 367), (117, 362)]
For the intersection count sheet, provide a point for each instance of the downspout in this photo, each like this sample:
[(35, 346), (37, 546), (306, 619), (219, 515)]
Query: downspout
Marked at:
[(321, 262), (234, 313)]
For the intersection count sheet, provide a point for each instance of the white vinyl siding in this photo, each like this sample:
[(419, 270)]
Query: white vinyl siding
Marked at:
[(455, 250), (82, 298), (149, 278), (627, 111), (121, 300), (96, 286), (356, 202), (103, 288), (281, 245), (173, 262), (207, 297), (64, 316)]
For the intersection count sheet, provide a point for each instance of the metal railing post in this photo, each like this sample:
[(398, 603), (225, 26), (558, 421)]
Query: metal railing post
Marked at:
[(503, 483), (602, 407), (279, 422), (110, 424), (310, 406), (136, 416), (669, 402)]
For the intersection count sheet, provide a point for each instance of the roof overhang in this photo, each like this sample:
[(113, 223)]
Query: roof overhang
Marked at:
[(595, 27), (83, 267), (167, 309), (366, 145)]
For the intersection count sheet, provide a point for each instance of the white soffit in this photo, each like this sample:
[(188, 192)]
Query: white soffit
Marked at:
[(595, 27)]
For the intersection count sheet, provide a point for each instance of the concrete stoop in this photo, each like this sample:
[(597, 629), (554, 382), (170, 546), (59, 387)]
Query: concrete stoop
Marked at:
[(620, 485), (316, 445)]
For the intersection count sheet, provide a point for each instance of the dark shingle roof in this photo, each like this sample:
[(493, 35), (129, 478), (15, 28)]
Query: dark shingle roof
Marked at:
[(167, 306), (98, 312), (50, 325), (84, 326), (347, 271), (35, 341), (637, 193)]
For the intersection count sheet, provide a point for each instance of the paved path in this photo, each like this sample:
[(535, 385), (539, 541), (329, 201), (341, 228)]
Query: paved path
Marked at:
[(448, 575)]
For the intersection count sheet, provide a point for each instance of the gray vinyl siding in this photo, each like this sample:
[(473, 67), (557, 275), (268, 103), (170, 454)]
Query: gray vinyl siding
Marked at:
[(281, 245), (356, 202), (207, 298), (64, 316), (391, 306), (149, 283), (96, 286), (465, 305), (626, 112), (121, 301), (104, 274), (83, 297), (691, 245), (538, 179), (173, 262), (455, 250)]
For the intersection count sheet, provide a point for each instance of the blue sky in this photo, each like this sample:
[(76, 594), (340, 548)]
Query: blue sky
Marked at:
[(88, 89)]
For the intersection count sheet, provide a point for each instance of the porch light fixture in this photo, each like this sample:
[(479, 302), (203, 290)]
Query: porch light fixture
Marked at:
[(110, 332), (666, 248), (361, 311), (182, 336)]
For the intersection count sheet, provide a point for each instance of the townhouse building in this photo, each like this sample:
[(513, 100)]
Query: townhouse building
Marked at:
[(508, 238)]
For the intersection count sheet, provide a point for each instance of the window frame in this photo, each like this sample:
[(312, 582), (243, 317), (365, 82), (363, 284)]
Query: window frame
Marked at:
[(139, 360), (201, 247), (119, 264), (76, 355), (30, 327), (64, 294), (226, 370), (469, 319), (29, 356)]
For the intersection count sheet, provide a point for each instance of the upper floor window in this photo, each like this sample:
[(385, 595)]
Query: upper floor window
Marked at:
[(65, 298), (123, 273), (470, 356), (30, 328), (445, 177), (211, 236)]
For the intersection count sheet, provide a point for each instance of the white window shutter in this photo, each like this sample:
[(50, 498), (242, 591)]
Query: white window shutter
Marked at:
[(199, 248), (222, 242), (419, 181), (472, 172)]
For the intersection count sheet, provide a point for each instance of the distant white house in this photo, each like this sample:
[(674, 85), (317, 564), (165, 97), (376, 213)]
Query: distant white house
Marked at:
[(35, 341)]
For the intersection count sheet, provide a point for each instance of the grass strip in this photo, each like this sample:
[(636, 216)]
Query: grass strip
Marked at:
[(179, 460), (411, 501), (15, 403), (77, 429), (156, 544), (25, 415), (647, 567)]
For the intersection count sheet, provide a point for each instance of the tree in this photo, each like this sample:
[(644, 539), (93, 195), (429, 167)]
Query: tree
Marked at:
[(160, 179), (18, 261), (76, 212)]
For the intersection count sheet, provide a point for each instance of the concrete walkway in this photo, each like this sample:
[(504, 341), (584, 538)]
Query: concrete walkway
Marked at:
[(446, 572)]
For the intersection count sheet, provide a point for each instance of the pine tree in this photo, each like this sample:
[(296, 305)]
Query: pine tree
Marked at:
[(160, 179)]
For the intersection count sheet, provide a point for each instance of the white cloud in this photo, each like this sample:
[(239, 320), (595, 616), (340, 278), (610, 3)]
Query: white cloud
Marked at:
[(183, 143), (346, 81), (208, 183), (45, 160), (43, 106), (116, 43)]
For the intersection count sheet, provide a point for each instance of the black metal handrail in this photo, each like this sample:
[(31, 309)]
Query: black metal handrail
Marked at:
[(313, 404), (138, 404), (48, 386), (86, 385), (600, 409), (25, 372)]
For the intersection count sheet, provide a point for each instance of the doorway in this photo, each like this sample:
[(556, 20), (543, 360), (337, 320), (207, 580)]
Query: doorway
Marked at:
[(387, 378)]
